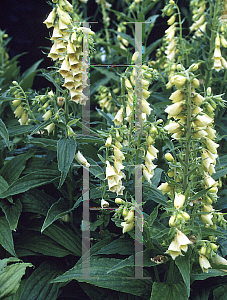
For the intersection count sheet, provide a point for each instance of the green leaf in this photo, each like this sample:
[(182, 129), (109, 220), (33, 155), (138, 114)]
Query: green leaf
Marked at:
[(155, 194), (65, 237), (30, 181), (130, 261), (17, 295), (220, 293), (220, 173), (41, 244), (120, 246), (89, 139), (12, 212), (10, 277), (14, 167), (164, 291), (152, 47), (95, 169), (109, 118), (107, 72), (3, 185), (56, 211), (4, 133), (116, 280), (183, 264), (6, 238), (198, 195), (38, 285), (126, 37), (66, 149), (49, 144), (36, 201), (204, 275), (118, 49), (16, 130), (29, 75), (153, 216)]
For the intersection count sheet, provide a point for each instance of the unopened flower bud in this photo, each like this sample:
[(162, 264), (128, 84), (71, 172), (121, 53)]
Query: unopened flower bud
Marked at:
[(214, 247), (193, 67), (24, 118), (195, 82), (60, 101), (16, 102), (172, 221), (47, 115), (135, 56), (81, 159), (186, 216), (119, 201), (130, 216), (203, 250), (108, 141), (169, 157), (179, 200)]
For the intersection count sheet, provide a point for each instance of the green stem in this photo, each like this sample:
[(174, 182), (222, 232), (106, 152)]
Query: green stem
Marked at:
[(214, 17), (188, 137), (104, 17), (170, 276), (183, 49)]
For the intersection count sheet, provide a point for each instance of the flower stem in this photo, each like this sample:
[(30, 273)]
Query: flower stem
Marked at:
[(188, 137)]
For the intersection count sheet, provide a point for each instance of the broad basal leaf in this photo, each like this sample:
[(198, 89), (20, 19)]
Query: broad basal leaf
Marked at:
[(65, 237), (6, 238), (30, 181), (4, 132), (12, 212), (10, 277), (14, 167), (117, 280), (38, 285), (164, 291)]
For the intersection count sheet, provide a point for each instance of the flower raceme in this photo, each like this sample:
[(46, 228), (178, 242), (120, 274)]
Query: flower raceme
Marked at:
[(67, 49), (191, 123)]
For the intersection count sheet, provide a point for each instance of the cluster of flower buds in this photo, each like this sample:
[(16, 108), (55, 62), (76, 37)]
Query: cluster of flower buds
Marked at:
[(206, 252), (219, 61), (70, 49), (198, 8), (123, 42), (151, 154), (191, 117), (21, 111), (170, 36), (143, 79), (127, 211), (114, 173), (105, 99)]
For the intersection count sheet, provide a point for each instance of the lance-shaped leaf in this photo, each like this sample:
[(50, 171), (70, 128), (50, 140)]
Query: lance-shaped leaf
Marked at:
[(10, 276), (66, 149), (164, 291), (117, 280), (56, 211), (30, 181), (12, 211), (38, 285), (4, 132), (6, 238)]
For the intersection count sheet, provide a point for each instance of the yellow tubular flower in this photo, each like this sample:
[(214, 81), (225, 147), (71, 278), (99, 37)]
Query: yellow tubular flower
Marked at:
[(204, 263)]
